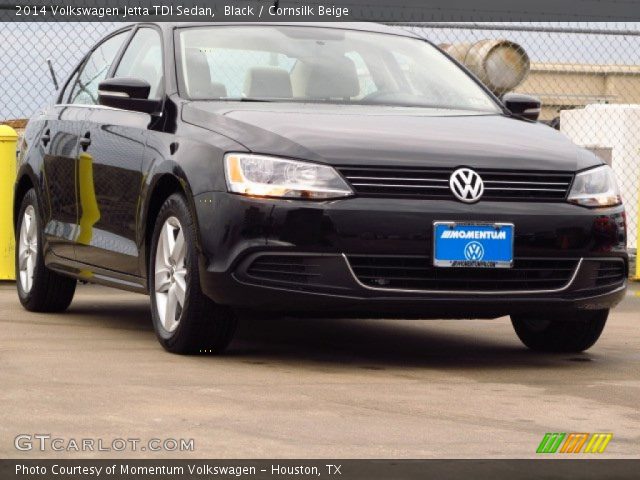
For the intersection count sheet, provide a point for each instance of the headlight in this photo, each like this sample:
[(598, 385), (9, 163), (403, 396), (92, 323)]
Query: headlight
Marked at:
[(595, 188), (262, 176)]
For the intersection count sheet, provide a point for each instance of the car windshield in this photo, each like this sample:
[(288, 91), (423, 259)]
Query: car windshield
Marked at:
[(327, 65)]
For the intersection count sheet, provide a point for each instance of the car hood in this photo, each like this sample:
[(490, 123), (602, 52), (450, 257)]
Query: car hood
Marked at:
[(391, 136)]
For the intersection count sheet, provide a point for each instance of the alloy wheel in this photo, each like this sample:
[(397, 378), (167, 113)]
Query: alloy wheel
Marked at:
[(170, 274), (28, 248)]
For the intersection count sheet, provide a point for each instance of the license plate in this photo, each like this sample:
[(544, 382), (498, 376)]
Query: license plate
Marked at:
[(473, 245)]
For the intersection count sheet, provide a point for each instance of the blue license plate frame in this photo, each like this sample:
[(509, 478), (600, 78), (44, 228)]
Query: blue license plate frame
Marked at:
[(473, 244)]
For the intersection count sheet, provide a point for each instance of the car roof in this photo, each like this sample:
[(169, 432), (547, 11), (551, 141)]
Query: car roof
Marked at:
[(361, 26)]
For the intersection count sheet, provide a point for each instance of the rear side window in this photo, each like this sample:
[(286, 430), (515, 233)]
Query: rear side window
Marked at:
[(95, 69), (143, 60)]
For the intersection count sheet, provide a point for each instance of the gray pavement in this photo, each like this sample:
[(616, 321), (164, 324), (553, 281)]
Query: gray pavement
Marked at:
[(309, 388)]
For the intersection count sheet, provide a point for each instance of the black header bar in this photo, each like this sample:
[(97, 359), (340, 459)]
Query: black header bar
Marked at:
[(319, 10)]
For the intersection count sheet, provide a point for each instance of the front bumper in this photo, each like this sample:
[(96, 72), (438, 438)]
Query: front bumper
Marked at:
[(319, 242)]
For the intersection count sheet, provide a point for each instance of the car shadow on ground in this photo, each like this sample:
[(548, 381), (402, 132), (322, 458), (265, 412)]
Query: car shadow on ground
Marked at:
[(367, 344), (378, 344), (130, 316)]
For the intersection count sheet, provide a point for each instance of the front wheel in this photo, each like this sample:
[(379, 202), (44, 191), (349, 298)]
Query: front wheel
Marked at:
[(577, 333), (185, 320)]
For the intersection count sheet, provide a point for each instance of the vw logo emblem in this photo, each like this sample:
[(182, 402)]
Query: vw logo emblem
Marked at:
[(474, 251), (466, 185)]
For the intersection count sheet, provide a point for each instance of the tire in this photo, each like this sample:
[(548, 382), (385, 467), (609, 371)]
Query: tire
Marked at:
[(39, 289), (185, 320), (577, 333)]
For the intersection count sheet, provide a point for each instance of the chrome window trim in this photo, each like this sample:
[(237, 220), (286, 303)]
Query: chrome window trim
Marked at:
[(101, 107), (113, 94), (84, 105)]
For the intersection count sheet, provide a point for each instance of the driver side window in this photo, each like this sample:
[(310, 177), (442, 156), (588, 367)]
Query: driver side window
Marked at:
[(143, 60)]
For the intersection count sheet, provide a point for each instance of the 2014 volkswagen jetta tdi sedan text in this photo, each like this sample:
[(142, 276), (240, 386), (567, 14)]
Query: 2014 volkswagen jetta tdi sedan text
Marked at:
[(313, 170)]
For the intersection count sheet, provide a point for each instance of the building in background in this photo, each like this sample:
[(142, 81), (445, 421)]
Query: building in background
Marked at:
[(565, 86)]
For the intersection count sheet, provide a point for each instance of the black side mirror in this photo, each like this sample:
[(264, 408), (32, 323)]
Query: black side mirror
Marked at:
[(127, 94), (523, 106)]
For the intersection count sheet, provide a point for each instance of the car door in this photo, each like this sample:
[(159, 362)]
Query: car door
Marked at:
[(110, 173), (60, 142)]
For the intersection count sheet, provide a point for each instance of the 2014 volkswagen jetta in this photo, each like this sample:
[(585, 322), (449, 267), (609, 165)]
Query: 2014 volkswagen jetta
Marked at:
[(312, 170)]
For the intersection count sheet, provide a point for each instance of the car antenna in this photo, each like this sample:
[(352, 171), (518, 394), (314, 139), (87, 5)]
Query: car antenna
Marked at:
[(53, 73)]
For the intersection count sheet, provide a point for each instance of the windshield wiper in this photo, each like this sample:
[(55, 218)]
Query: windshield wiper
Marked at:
[(253, 99), (278, 100)]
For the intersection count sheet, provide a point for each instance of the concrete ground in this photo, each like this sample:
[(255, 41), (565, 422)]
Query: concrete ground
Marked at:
[(309, 388)]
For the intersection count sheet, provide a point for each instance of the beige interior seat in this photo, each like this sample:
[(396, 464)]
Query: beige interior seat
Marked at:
[(325, 79), (267, 82), (200, 83)]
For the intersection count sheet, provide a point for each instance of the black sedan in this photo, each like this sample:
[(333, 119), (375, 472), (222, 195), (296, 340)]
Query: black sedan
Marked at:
[(311, 170)]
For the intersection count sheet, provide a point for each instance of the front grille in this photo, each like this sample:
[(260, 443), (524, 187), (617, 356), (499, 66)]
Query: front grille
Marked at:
[(418, 273), (433, 183), (284, 268), (610, 272)]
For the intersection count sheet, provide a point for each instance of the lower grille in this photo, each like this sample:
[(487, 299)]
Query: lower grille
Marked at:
[(418, 273), (610, 273), (284, 268)]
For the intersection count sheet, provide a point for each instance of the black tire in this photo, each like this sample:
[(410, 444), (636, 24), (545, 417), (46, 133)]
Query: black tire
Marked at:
[(204, 327), (577, 333), (50, 292)]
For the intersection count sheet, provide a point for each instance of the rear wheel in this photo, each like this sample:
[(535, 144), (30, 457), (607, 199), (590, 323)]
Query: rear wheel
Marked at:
[(39, 289), (578, 332), (184, 318)]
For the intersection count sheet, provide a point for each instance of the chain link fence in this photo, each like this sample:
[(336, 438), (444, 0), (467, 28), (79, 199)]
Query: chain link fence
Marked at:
[(587, 76), (25, 81)]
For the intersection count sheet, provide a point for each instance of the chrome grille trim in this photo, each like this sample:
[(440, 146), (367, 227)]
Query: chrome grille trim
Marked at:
[(400, 178), (509, 182), (426, 183), (388, 185), (465, 292), (526, 189)]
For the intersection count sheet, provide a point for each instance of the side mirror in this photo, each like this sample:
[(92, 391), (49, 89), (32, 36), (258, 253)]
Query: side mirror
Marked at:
[(127, 94), (523, 106)]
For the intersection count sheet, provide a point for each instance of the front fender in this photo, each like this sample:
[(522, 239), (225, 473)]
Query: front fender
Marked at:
[(25, 179), (192, 157)]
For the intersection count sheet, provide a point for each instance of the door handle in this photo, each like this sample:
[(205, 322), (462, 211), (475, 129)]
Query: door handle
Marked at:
[(46, 138), (85, 141)]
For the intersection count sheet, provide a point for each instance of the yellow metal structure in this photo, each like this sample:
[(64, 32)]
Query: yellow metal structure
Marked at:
[(8, 140), (88, 201), (88, 204)]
